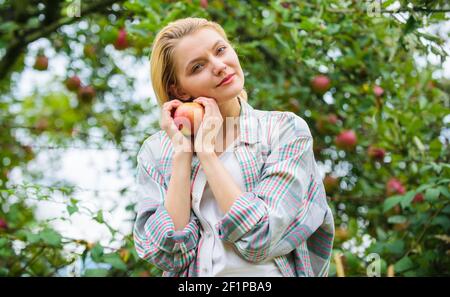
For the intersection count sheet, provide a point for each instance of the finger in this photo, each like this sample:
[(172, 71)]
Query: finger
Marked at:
[(171, 104), (200, 101), (205, 100)]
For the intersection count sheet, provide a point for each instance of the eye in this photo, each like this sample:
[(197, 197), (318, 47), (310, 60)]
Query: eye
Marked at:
[(194, 69), (222, 48)]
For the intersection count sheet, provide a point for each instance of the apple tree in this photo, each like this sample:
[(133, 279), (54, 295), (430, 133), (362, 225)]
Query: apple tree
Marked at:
[(351, 69)]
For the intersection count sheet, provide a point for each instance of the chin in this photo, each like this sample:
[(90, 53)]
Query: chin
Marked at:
[(227, 97), (229, 94)]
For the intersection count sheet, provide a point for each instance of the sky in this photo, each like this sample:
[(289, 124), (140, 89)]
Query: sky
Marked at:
[(88, 168)]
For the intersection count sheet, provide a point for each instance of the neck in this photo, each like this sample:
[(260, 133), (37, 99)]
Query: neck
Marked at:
[(231, 110)]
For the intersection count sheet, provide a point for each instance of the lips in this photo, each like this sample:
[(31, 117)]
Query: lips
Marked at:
[(225, 79)]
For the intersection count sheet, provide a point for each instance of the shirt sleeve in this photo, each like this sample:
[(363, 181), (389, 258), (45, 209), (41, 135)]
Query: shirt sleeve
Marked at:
[(155, 238), (287, 206)]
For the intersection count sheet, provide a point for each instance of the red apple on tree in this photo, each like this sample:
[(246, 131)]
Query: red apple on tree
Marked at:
[(394, 186), (320, 84), (121, 42), (3, 224), (346, 140), (204, 4), (188, 117), (376, 153), (41, 62), (418, 198), (73, 83), (332, 119)]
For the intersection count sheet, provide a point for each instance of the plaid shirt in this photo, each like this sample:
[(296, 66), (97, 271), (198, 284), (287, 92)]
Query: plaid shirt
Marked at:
[(283, 214)]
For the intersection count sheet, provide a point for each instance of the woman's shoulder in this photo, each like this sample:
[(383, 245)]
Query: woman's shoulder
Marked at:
[(283, 122), (151, 147)]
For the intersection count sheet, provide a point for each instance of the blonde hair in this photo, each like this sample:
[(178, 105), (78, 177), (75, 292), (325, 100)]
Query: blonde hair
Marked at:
[(162, 66)]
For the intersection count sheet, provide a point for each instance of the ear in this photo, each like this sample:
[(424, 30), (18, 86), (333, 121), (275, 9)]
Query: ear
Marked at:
[(178, 93)]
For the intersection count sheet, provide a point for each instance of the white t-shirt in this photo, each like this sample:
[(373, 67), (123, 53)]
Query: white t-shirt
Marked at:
[(219, 258)]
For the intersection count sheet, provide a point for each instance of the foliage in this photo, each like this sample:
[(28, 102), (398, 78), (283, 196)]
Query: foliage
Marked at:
[(282, 46)]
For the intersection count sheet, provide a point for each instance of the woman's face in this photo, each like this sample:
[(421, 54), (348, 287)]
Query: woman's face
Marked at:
[(202, 60)]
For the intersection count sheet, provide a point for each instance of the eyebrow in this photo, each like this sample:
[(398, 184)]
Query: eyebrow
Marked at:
[(196, 59)]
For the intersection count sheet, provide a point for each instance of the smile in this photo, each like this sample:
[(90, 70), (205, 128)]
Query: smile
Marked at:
[(228, 81)]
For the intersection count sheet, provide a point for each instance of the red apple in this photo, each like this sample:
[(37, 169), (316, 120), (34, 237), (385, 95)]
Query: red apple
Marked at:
[(3, 224), (86, 94), (332, 119), (376, 153), (188, 116), (320, 84), (204, 4), (394, 186), (330, 183), (378, 91), (121, 42), (73, 83), (346, 140), (418, 198), (41, 62)]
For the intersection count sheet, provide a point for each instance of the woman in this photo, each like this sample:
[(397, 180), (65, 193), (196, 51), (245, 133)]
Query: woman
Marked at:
[(248, 201)]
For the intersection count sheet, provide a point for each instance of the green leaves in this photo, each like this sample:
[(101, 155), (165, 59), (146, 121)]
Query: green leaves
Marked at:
[(98, 272), (46, 236), (391, 202), (397, 219), (98, 256), (99, 217), (50, 237), (97, 253), (115, 261), (72, 208), (403, 265), (432, 195)]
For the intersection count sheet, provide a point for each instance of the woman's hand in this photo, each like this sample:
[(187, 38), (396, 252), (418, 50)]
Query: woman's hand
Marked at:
[(181, 143), (205, 139)]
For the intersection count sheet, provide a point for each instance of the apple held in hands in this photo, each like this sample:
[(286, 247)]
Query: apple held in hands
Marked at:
[(188, 117)]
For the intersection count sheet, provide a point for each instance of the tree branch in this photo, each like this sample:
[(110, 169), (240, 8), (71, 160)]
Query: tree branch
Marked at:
[(18, 45)]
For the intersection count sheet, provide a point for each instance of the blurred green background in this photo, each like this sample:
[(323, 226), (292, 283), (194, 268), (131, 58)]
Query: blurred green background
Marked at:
[(371, 78)]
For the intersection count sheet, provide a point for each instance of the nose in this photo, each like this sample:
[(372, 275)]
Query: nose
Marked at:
[(218, 66)]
